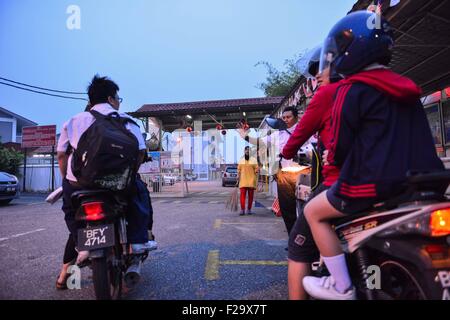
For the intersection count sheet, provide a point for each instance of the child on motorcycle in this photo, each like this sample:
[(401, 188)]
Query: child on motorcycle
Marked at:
[(380, 132), (302, 251)]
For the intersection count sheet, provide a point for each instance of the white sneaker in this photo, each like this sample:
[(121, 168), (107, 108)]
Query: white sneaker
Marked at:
[(324, 289), (141, 247), (82, 256), (152, 245)]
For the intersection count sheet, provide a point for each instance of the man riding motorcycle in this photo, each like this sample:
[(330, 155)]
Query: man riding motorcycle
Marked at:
[(285, 179), (103, 99)]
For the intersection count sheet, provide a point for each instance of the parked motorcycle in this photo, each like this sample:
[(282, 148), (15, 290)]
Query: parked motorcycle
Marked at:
[(105, 237)]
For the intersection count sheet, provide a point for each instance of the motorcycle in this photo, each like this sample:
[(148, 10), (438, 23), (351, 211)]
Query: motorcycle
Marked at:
[(105, 237), (405, 241), (400, 250)]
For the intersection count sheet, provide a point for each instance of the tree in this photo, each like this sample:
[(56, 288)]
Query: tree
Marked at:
[(10, 160), (279, 83)]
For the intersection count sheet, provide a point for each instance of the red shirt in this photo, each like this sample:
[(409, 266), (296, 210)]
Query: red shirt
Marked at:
[(317, 118)]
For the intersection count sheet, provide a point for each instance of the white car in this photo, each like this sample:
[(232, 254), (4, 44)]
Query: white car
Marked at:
[(9, 188), (191, 177)]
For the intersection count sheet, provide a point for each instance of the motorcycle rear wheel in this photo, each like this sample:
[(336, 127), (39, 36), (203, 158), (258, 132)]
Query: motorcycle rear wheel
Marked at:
[(107, 279), (400, 282)]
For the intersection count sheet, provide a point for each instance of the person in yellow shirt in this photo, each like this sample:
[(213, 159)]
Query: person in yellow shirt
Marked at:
[(247, 177)]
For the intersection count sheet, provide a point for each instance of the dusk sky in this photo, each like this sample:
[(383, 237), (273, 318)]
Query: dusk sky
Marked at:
[(157, 51)]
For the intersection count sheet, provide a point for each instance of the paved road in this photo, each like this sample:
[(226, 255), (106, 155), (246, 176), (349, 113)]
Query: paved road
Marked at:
[(205, 252)]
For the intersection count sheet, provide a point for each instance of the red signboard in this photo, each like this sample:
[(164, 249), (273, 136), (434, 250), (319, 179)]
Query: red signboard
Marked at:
[(39, 136)]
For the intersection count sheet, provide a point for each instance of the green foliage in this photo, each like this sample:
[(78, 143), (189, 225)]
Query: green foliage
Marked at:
[(279, 83), (10, 160)]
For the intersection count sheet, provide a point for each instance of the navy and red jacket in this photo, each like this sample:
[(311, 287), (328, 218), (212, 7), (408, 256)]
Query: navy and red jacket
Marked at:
[(317, 118), (380, 132)]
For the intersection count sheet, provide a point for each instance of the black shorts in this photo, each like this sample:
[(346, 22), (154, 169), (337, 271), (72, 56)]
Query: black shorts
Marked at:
[(347, 206), (301, 247)]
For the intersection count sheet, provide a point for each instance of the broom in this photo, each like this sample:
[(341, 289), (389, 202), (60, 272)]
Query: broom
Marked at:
[(233, 200)]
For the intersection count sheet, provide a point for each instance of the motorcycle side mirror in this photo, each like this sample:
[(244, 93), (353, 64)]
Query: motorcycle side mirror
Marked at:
[(276, 123)]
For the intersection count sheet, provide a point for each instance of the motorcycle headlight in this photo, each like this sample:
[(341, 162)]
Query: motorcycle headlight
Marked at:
[(433, 224), (294, 169)]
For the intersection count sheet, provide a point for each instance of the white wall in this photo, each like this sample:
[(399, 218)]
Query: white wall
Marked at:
[(39, 178)]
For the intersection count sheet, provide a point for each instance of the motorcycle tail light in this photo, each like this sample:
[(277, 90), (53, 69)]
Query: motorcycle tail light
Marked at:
[(93, 211), (437, 252), (440, 222)]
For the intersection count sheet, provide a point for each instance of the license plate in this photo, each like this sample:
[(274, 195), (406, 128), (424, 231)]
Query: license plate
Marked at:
[(96, 237), (9, 189), (233, 175), (444, 279)]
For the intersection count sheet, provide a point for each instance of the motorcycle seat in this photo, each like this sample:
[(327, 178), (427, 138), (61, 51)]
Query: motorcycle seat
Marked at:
[(78, 196), (429, 181), (88, 193), (351, 217), (419, 186)]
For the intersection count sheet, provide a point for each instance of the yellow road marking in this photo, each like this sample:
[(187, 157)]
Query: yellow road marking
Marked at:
[(213, 262), (217, 223), (212, 265), (254, 262), (249, 222)]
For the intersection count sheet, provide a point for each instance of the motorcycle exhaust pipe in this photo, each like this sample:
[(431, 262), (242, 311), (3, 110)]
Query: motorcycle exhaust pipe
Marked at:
[(133, 275)]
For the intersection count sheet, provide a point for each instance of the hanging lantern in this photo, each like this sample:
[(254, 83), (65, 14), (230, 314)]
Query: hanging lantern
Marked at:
[(219, 127), (224, 132), (244, 125), (189, 129)]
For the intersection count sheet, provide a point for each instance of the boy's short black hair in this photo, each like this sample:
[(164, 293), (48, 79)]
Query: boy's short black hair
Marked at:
[(100, 89), (293, 110)]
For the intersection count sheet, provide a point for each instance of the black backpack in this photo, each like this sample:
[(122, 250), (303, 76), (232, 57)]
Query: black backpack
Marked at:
[(106, 155)]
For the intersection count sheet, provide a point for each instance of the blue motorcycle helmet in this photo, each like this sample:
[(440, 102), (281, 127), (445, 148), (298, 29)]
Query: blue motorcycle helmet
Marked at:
[(358, 40)]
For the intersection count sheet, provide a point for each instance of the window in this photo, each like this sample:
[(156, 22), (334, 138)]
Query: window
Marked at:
[(446, 112), (435, 123)]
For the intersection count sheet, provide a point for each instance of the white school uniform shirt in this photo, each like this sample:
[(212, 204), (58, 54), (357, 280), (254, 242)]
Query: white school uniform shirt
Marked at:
[(278, 140), (78, 124)]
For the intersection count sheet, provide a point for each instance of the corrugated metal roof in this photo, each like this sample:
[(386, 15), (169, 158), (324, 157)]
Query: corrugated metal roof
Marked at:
[(210, 106), (422, 40)]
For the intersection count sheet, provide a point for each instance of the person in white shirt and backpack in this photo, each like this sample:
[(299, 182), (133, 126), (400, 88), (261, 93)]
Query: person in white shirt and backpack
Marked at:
[(86, 160)]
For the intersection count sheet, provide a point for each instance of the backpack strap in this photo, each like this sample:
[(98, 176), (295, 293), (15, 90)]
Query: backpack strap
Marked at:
[(118, 121), (126, 120), (113, 115), (97, 115)]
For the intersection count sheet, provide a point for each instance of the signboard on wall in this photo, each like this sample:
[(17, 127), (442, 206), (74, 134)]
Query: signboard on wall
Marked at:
[(168, 161), (38, 136), (153, 166)]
